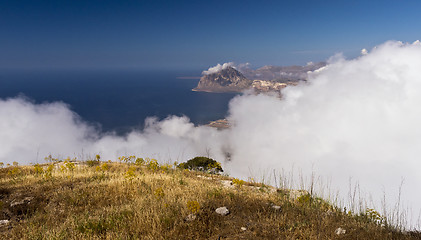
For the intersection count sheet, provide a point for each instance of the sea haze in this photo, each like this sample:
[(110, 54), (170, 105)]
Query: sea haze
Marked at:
[(118, 100)]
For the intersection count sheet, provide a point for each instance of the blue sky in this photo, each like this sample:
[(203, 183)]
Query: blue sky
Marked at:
[(195, 34)]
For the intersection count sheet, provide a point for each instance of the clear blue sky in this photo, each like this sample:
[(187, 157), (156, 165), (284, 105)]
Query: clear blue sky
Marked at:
[(195, 34)]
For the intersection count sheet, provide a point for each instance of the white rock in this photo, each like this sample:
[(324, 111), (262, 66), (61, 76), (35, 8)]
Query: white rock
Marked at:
[(295, 194), (227, 183), (26, 200), (204, 177), (276, 207), (243, 228), (14, 203), (272, 190), (340, 231), (222, 211), (4, 222), (190, 217)]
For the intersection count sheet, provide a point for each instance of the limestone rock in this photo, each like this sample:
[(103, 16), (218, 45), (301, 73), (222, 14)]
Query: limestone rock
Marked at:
[(4, 222), (227, 183), (223, 211), (26, 200), (340, 231), (276, 207), (190, 217)]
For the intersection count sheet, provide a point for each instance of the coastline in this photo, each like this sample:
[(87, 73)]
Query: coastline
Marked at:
[(212, 91)]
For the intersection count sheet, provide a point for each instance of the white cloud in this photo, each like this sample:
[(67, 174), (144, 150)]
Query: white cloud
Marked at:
[(29, 132), (218, 68)]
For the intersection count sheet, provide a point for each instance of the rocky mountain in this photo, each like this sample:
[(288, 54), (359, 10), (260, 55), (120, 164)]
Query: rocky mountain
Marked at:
[(265, 79), (226, 80)]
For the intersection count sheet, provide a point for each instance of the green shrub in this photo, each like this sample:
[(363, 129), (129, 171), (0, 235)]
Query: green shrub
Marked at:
[(238, 182), (131, 173), (139, 161), (193, 206), (49, 171), (92, 163), (153, 165), (202, 164), (38, 169)]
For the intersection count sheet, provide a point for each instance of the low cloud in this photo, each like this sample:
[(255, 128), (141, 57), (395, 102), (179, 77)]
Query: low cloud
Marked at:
[(29, 132), (218, 68)]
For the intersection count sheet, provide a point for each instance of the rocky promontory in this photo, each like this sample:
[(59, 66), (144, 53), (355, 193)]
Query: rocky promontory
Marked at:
[(231, 78), (226, 80)]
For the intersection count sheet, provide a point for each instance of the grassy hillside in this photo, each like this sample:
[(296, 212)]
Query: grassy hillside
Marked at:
[(140, 199)]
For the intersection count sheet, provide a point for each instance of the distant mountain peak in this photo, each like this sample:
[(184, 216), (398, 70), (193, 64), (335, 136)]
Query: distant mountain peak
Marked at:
[(227, 79)]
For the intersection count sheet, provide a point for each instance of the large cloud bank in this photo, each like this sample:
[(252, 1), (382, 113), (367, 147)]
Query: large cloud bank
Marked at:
[(29, 132), (355, 124)]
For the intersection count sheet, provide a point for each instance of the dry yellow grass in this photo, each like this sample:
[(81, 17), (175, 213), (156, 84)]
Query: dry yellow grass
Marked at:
[(147, 201)]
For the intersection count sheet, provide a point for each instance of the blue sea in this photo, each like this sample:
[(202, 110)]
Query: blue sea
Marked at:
[(119, 100)]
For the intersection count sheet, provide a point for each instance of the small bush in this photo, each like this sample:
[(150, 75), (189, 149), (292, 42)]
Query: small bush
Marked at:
[(128, 159), (159, 193), (202, 164), (104, 167), (50, 159), (38, 169), (49, 171), (139, 161), (131, 173), (92, 163), (193, 206), (166, 168), (375, 216), (67, 166), (305, 199), (153, 165), (13, 172), (238, 182)]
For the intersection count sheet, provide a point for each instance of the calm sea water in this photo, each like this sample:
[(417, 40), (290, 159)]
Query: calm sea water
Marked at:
[(119, 101)]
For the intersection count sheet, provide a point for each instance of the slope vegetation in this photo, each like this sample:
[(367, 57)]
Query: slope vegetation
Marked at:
[(141, 199)]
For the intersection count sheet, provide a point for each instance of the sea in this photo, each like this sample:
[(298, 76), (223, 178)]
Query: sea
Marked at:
[(119, 101)]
